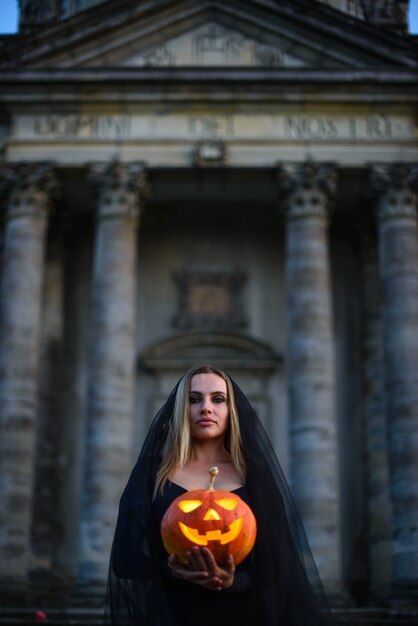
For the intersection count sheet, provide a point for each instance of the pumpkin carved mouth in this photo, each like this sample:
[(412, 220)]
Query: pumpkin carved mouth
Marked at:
[(212, 535)]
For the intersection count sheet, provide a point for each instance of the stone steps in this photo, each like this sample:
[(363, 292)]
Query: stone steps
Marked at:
[(375, 617), (80, 616), (54, 617)]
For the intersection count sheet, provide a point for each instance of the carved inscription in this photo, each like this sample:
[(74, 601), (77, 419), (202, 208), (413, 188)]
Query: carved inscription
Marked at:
[(310, 127), (379, 126), (211, 126), (224, 126), (90, 126), (328, 128)]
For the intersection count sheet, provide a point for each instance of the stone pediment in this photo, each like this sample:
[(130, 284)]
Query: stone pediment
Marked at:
[(185, 33)]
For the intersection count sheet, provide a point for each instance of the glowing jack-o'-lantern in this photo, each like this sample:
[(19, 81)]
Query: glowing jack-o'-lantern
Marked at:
[(215, 519)]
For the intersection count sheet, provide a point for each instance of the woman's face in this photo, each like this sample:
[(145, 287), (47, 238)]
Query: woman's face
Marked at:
[(208, 412)]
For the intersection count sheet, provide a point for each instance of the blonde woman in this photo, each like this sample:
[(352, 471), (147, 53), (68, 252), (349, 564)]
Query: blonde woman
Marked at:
[(208, 421)]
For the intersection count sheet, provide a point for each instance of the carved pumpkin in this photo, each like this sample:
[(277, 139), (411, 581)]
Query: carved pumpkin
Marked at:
[(215, 519)]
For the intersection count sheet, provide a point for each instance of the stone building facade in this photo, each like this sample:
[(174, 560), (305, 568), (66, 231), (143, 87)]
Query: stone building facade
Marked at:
[(235, 183)]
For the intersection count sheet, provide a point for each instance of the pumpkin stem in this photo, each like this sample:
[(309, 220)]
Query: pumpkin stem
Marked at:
[(213, 471)]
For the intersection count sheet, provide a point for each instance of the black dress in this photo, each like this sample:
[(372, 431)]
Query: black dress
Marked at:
[(231, 607), (284, 588)]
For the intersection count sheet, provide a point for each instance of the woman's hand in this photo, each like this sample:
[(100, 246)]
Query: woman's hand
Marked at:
[(203, 570)]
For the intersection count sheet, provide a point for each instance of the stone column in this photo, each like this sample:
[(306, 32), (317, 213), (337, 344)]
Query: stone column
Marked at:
[(310, 357), (112, 356), (398, 260), (20, 305)]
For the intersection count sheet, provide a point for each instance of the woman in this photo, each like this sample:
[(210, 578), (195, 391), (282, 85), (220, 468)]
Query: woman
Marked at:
[(208, 421)]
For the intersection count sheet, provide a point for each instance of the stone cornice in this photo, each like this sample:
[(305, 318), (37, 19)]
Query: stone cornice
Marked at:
[(26, 88), (227, 74)]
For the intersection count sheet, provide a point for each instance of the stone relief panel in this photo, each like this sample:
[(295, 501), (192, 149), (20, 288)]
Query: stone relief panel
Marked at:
[(160, 56), (209, 299), (214, 45)]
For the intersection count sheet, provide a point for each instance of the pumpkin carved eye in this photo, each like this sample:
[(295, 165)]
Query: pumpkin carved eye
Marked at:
[(227, 503), (189, 505)]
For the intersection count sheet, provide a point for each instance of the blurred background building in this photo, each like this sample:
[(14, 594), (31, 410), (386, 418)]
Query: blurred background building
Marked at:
[(187, 182)]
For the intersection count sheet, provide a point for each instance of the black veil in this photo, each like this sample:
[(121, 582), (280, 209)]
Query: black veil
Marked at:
[(285, 585)]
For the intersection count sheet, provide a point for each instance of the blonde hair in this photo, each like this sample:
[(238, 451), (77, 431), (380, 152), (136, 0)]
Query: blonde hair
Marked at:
[(177, 449)]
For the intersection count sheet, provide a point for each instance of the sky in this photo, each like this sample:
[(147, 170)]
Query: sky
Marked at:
[(8, 16)]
